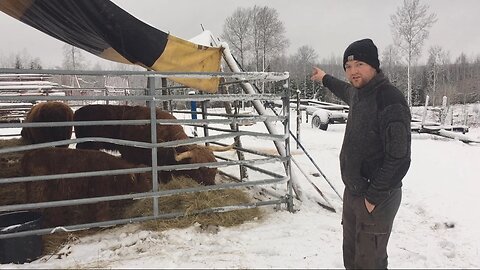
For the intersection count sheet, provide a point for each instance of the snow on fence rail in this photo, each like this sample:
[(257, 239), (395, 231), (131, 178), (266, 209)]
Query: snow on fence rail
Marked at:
[(213, 134)]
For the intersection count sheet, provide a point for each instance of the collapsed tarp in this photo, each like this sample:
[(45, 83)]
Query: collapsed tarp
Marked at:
[(104, 29)]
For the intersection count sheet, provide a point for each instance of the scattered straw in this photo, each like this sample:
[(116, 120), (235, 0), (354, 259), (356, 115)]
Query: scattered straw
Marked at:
[(190, 202), (10, 167), (187, 203)]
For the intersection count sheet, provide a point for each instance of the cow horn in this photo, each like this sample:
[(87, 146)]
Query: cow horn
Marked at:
[(215, 148), (184, 155)]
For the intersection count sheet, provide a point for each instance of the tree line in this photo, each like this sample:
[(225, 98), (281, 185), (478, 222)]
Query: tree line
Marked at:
[(257, 39), (260, 45)]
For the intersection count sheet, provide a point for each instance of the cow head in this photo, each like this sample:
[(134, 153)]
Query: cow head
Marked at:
[(200, 154)]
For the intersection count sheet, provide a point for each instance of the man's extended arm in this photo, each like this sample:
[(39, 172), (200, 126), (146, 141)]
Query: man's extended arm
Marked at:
[(339, 88)]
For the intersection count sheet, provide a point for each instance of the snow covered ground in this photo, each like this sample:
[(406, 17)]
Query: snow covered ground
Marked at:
[(436, 226)]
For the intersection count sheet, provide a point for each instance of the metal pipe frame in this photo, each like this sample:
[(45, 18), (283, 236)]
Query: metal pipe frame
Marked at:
[(153, 100)]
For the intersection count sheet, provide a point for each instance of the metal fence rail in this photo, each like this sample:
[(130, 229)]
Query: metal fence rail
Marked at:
[(154, 100)]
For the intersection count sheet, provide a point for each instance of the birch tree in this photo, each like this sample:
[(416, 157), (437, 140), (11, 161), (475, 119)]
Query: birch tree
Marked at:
[(410, 26), (256, 32), (73, 58), (392, 65), (269, 35), (435, 66), (237, 31)]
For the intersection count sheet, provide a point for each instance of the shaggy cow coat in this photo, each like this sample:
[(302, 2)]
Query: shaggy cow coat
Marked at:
[(142, 133), (50, 111), (99, 113), (48, 161)]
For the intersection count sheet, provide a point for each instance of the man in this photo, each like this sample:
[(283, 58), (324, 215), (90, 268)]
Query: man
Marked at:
[(375, 154)]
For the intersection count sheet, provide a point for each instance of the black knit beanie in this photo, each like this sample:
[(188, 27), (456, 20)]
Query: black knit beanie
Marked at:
[(362, 50)]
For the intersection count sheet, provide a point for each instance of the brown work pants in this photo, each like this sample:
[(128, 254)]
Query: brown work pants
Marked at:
[(365, 235)]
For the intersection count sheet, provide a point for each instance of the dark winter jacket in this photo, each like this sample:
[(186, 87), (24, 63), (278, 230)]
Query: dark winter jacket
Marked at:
[(375, 154)]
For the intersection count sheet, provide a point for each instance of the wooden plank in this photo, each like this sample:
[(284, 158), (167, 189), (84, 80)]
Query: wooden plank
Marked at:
[(449, 134)]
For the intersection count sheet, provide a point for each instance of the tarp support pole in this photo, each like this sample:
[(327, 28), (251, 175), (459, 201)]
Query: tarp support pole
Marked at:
[(153, 128)]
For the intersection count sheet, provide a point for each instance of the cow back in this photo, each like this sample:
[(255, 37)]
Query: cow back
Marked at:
[(142, 133), (98, 112), (50, 111)]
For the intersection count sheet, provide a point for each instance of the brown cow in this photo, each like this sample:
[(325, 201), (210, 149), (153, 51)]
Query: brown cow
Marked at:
[(99, 113), (48, 161), (142, 133), (51, 111)]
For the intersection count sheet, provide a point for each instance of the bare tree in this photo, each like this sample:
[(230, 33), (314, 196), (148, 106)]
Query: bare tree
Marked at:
[(18, 62), (466, 79), (256, 32), (334, 65), (410, 27), (21, 60), (270, 33), (36, 63), (436, 65), (73, 58), (461, 67), (392, 65), (237, 31), (302, 61)]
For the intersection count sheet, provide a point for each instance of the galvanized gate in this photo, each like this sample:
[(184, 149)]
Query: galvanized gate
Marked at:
[(155, 95)]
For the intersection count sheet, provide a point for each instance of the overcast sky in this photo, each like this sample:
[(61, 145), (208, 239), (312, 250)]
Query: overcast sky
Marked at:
[(326, 25)]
